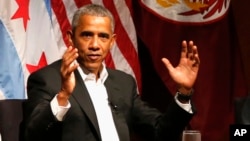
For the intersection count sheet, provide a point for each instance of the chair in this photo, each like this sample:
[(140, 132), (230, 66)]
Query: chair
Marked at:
[(242, 110)]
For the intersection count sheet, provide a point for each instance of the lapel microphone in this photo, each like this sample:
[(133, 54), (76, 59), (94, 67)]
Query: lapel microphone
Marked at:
[(113, 106)]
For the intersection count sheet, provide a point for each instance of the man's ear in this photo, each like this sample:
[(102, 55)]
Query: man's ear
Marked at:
[(113, 40), (70, 38)]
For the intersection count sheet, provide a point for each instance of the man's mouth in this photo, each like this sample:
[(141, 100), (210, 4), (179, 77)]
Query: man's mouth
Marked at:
[(94, 57)]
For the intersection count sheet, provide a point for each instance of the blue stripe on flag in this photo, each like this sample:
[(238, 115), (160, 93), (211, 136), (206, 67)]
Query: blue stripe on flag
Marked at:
[(11, 73), (48, 7)]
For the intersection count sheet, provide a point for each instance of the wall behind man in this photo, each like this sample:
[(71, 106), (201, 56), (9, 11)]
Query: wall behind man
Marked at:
[(241, 12), (224, 72)]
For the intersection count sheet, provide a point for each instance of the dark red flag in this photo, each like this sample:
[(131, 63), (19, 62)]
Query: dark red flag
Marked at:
[(163, 25)]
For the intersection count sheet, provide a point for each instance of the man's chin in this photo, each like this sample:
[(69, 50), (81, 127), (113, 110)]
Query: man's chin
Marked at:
[(93, 67)]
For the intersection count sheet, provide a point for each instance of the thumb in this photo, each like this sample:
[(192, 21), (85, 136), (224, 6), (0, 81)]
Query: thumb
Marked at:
[(167, 63)]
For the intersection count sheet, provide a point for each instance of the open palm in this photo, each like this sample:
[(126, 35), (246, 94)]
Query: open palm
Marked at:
[(186, 72)]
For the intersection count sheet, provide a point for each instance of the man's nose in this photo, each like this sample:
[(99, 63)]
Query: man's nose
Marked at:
[(95, 43)]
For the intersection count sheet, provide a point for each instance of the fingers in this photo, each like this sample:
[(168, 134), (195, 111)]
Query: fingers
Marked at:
[(69, 63), (189, 51), (196, 58), (168, 65), (184, 49), (193, 54), (190, 54)]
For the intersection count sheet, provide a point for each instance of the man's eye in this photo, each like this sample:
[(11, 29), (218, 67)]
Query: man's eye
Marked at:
[(86, 34), (104, 36)]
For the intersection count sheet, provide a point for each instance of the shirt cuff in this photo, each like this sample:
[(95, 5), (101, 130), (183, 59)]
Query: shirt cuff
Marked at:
[(57, 110), (187, 107)]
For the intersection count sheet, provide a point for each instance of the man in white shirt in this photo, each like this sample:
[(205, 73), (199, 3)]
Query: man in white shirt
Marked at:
[(78, 99)]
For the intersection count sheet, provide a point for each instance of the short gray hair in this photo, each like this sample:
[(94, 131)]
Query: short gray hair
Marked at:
[(95, 10)]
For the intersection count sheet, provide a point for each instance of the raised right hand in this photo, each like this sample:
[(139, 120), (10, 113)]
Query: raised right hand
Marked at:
[(69, 64)]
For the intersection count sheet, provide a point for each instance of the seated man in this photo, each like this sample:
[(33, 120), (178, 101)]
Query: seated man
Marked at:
[(78, 98)]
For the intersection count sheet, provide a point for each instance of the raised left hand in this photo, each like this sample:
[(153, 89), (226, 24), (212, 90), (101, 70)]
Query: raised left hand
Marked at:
[(186, 72)]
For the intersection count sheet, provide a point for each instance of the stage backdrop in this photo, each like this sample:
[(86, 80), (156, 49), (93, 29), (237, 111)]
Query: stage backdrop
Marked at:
[(162, 25), (33, 35)]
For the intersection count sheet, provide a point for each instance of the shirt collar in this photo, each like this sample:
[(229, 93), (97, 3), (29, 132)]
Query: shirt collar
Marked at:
[(85, 76)]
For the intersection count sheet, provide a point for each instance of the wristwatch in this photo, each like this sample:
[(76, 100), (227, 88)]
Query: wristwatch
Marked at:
[(184, 97)]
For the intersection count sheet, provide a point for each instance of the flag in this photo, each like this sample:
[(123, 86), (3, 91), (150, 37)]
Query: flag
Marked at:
[(12, 80), (33, 35), (162, 25)]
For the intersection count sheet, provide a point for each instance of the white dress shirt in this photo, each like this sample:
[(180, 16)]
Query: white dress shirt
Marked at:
[(99, 97)]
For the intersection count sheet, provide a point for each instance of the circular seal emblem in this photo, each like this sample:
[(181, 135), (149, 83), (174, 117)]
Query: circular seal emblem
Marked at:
[(188, 11)]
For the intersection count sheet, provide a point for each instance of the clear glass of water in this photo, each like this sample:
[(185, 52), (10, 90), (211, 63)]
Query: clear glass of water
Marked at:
[(191, 135)]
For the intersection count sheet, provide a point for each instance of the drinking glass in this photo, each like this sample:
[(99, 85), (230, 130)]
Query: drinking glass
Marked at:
[(191, 135)]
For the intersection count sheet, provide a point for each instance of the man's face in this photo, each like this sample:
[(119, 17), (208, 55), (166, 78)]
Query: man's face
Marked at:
[(93, 38)]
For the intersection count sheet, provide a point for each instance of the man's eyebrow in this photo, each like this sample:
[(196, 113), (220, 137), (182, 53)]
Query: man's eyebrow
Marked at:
[(106, 35), (88, 33)]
